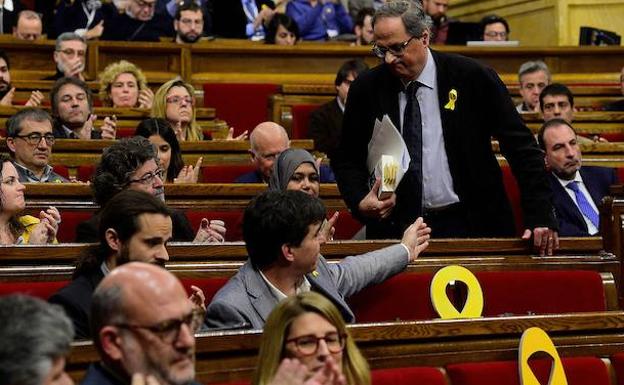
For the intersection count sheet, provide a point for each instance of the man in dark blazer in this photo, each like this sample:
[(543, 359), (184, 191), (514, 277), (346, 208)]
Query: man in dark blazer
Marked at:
[(326, 121), (462, 106), (241, 19), (577, 214)]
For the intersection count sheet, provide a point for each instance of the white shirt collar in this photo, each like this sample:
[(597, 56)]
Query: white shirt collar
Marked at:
[(428, 75), (303, 287), (565, 182), (340, 104)]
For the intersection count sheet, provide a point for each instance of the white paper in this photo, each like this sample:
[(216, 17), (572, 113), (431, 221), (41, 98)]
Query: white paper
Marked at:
[(387, 140)]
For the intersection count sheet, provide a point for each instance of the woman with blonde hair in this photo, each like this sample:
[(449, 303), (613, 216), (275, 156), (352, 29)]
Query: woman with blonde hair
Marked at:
[(174, 101), (123, 85), (308, 328)]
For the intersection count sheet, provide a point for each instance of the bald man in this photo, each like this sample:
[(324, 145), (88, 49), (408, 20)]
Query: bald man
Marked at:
[(143, 323)]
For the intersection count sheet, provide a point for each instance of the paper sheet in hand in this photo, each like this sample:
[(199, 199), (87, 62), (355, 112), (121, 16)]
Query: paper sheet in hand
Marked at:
[(387, 140)]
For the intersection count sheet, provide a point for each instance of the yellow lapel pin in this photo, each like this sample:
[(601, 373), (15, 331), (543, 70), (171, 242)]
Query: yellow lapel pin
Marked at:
[(452, 99), (315, 273)]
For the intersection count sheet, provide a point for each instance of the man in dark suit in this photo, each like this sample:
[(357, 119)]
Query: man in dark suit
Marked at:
[(326, 122), (242, 19), (577, 190), (448, 112)]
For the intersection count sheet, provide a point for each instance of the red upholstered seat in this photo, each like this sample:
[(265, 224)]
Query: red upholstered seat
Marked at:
[(70, 220), (241, 105), (301, 120), (41, 290), (125, 132), (408, 376), (346, 226), (61, 170), (513, 194), (225, 173), (541, 292), (402, 297), (617, 361), (85, 172), (233, 221), (209, 286), (579, 371)]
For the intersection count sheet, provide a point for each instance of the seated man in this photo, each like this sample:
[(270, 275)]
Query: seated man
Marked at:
[(134, 226), (30, 141), (36, 338), (139, 22), (556, 101), (577, 191), (326, 122), (364, 27), (619, 105), (267, 141), (281, 232), (140, 330), (320, 19), (533, 77), (436, 9), (72, 107), (188, 23), (7, 91), (132, 164), (495, 28), (242, 19), (29, 26), (70, 55)]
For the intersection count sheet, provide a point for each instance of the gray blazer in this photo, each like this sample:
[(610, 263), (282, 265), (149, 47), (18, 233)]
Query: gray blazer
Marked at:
[(246, 300)]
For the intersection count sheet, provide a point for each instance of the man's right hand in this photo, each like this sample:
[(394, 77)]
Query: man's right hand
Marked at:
[(373, 207), (75, 70), (416, 238)]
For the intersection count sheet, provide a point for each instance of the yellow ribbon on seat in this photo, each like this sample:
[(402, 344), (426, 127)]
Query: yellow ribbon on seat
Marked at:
[(452, 99), (474, 299), (536, 340)]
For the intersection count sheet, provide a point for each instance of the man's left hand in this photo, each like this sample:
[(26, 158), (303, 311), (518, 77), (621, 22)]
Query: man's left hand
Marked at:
[(544, 239)]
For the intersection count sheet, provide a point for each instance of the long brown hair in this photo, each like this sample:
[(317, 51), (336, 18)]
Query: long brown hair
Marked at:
[(15, 226)]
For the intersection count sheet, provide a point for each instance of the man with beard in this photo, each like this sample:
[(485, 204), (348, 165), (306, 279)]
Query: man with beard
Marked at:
[(188, 23), (30, 141), (70, 55), (132, 164), (436, 9), (577, 191), (134, 226), (72, 107), (7, 91)]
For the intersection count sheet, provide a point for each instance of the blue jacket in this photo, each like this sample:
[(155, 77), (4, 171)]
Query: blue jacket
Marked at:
[(315, 22)]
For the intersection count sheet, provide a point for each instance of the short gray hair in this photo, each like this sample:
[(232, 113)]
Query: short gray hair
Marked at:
[(28, 15), (106, 309), (411, 13), (68, 36), (531, 67), (34, 333), (14, 124)]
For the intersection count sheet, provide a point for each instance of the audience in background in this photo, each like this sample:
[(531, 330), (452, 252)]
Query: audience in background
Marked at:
[(70, 55), (533, 77), (436, 9), (170, 8), (9, 10), (83, 17), (139, 22), (495, 28), (242, 19), (189, 22), (29, 26), (619, 105), (267, 141), (30, 141), (320, 19), (282, 30), (557, 101), (292, 338), (364, 27), (26, 229), (175, 102), (356, 5), (160, 133), (36, 338), (7, 91), (72, 109), (326, 121), (123, 85)]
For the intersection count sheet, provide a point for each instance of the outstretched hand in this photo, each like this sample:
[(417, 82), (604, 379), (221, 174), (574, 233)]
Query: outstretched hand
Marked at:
[(416, 238)]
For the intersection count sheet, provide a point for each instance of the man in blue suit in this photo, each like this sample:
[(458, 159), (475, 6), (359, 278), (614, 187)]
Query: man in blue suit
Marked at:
[(577, 191)]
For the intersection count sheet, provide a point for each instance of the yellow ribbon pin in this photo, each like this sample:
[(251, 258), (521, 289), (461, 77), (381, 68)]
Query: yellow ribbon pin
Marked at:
[(315, 273), (452, 99)]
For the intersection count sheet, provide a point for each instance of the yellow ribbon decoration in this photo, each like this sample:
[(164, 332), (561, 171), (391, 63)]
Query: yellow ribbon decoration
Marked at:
[(474, 298), (452, 99), (536, 340)]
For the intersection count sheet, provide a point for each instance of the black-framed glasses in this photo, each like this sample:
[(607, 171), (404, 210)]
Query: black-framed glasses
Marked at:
[(35, 138), (149, 177), (179, 99), (169, 331), (395, 49), (308, 345)]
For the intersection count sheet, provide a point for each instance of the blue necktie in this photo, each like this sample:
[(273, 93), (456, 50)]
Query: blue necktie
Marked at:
[(586, 209)]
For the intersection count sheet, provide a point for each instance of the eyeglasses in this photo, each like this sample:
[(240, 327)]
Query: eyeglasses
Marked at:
[(395, 49), (308, 344), (148, 178), (169, 331), (72, 52), (35, 138), (496, 34), (178, 99)]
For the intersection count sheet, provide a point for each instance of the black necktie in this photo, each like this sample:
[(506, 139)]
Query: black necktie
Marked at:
[(412, 135)]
